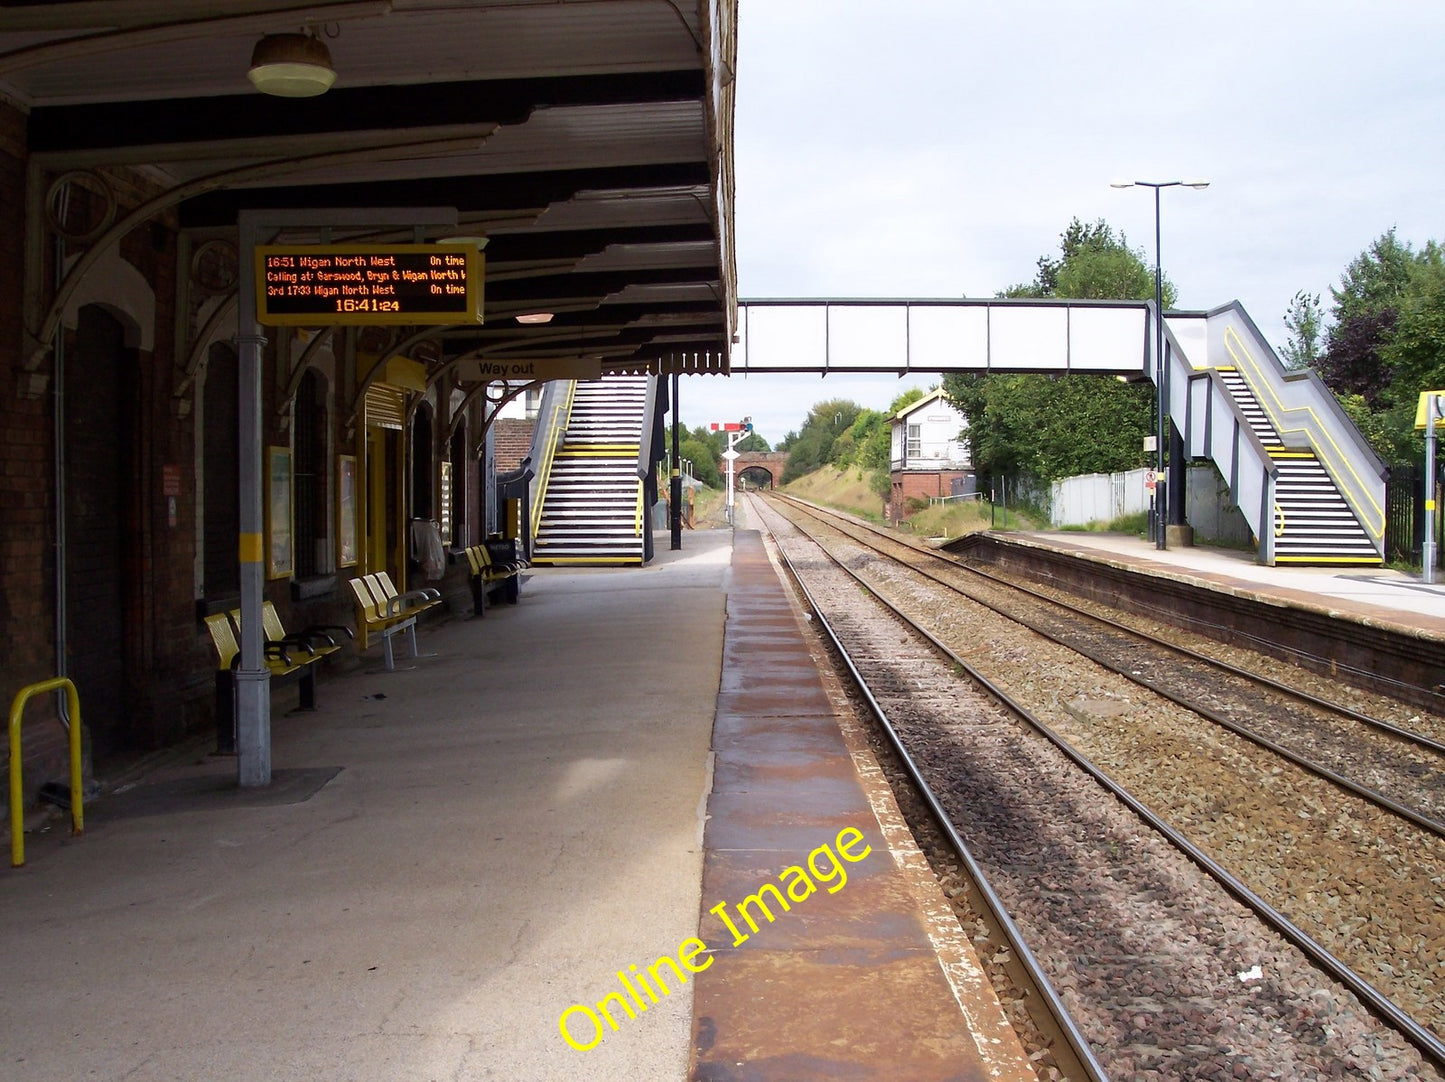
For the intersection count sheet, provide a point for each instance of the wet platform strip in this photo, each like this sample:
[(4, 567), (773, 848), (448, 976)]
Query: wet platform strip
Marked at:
[(846, 981)]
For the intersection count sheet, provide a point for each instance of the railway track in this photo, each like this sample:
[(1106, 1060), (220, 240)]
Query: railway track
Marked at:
[(1394, 767), (1166, 973)]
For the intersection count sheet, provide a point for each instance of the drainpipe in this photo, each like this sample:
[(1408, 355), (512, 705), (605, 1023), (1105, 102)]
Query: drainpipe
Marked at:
[(58, 425)]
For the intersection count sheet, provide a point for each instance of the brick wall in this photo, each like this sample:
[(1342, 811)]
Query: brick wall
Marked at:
[(919, 484), (163, 663), (26, 511)]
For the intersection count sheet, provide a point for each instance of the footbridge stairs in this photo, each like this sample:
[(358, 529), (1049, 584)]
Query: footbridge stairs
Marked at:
[(1305, 479), (593, 460)]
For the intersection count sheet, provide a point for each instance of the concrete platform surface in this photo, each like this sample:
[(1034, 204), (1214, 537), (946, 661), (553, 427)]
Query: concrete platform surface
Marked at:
[(1381, 594), (512, 822), (835, 953)]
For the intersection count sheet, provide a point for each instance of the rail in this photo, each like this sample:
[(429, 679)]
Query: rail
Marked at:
[(990, 901), (1430, 1045), (17, 789), (644, 440), (1213, 426), (552, 423), (644, 454)]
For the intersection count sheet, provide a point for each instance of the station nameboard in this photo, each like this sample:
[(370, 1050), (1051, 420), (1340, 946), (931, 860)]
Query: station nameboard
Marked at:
[(320, 284)]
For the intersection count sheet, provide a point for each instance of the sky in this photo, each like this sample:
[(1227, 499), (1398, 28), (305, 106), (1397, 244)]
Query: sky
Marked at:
[(938, 148)]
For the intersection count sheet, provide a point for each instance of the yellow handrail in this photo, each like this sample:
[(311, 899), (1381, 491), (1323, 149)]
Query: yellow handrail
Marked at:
[(562, 410), (1331, 456), (17, 794)]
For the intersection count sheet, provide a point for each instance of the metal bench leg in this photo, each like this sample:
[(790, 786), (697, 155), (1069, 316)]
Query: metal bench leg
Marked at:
[(479, 595), (386, 649), (411, 637), (225, 713), (308, 687)]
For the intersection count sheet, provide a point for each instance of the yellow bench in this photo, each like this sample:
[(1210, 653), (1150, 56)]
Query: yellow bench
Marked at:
[(383, 611), (494, 565), (284, 655)]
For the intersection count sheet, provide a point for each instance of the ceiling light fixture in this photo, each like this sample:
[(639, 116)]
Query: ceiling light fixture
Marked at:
[(291, 66), (479, 243), (535, 317)]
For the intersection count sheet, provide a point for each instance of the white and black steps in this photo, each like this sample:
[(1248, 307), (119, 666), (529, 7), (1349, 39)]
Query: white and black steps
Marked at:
[(591, 505), (1249, 406), (1312, 522)]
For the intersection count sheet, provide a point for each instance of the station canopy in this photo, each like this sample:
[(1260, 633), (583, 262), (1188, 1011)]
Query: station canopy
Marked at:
[(589, 142)]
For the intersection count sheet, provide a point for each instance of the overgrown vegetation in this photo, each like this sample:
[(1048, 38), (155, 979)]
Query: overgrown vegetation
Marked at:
[(846, 488), (1382, 341)]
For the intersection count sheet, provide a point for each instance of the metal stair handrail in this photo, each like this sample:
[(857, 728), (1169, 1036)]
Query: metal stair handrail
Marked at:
[(644, 452), (552, 418), (644, 441), (1306, 415), (1215, 427)]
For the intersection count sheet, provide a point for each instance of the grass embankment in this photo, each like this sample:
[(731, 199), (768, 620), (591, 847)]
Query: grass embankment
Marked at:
[(849, 490)]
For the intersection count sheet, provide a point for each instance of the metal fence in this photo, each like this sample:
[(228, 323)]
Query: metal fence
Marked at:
[(1405, 514)]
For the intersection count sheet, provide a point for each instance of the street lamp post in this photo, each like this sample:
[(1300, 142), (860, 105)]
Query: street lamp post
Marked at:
[(1161, 372)]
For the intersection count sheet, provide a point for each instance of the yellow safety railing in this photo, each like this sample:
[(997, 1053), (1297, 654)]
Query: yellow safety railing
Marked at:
[(561, 413), (1336, 462), (17, 791)]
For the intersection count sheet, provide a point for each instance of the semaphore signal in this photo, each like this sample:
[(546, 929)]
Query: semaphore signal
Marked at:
[(736, 430)]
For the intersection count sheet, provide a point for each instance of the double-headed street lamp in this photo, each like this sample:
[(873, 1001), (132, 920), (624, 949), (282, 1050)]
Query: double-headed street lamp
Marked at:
[(1161, 373)]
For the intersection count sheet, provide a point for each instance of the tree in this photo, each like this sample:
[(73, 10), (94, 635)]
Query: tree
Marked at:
[(1387, 340), (1415, 354), (1093, 263), (1305, 322), (1366, 310), (1376, 280), (1352, 364), (704, 465), (813, 445), (1051, 427)]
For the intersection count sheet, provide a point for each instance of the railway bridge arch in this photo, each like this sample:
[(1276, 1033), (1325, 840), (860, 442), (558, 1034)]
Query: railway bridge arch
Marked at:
[(770, 464)]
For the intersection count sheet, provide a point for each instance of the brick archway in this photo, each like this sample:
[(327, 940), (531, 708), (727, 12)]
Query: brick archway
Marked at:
[(772, 463)]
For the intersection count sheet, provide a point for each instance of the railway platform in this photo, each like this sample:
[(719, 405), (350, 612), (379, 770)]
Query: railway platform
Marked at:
[(1376, 594), (1374, 627), (627, 800)]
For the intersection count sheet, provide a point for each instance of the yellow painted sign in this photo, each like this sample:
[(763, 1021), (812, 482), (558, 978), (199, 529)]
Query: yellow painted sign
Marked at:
[(1424, 405)]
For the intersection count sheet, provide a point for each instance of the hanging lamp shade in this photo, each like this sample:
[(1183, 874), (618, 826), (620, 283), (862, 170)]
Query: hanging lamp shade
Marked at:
[(291, 66)]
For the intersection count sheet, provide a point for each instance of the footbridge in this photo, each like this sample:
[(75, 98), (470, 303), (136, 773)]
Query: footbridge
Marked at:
[(1306, 480)]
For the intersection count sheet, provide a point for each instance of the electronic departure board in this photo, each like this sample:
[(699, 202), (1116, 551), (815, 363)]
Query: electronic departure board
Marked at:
[(318, 284)]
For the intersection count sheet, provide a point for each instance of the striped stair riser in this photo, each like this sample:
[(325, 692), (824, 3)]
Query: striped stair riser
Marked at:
[(1319, 526), (1253, 413), (589, 512)]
